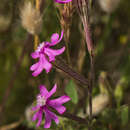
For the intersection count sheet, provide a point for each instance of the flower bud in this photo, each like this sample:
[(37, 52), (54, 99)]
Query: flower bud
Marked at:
[(31, 18), (108, 5)]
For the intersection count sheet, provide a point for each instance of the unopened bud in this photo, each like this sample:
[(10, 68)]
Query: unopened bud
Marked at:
[(108, 5), (31, 18)]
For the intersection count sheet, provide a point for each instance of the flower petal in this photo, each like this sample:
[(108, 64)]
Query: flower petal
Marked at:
[(43, 91), (35, 108), (52, 53), (39, 118), (48, 116), (35, 55), (38, 70), (61, 109), (53, 90), (35, 116), (55, 38), (46, 65), (61, 100), (43, 64), (57, 103), (62, 1), (34, 66)]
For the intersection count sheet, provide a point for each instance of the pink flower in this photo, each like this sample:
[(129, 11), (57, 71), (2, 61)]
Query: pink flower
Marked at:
[(44, 101), (46, 54), (62, 1)]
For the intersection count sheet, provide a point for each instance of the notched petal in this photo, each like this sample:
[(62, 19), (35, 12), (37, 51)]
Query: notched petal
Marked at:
[(43, 91), (51, 53), (55, 40), (54, 37), (53, 90), (35, 55), (48, 117)]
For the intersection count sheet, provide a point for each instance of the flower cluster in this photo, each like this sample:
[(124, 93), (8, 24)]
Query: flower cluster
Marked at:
[(46, 55), (43, 52), (43, 104)]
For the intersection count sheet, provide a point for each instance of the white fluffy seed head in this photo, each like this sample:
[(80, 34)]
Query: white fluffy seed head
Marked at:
[(98, 104), (31, 18), (108, 5)]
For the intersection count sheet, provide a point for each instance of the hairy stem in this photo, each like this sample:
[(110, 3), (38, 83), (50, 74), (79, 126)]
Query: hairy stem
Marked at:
[(71, 116), (91, 85), (75, 118), (60, 64)]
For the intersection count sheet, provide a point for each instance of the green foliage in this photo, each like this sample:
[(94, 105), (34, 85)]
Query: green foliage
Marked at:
[(124, 115), (72, 91), (119, 91)]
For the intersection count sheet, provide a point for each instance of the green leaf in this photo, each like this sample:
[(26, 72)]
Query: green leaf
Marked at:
[(119, 90), (71, 91), (118, 94), (124, 115)]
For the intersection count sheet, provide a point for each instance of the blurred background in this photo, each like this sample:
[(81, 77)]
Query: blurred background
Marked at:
[(110, 26)]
